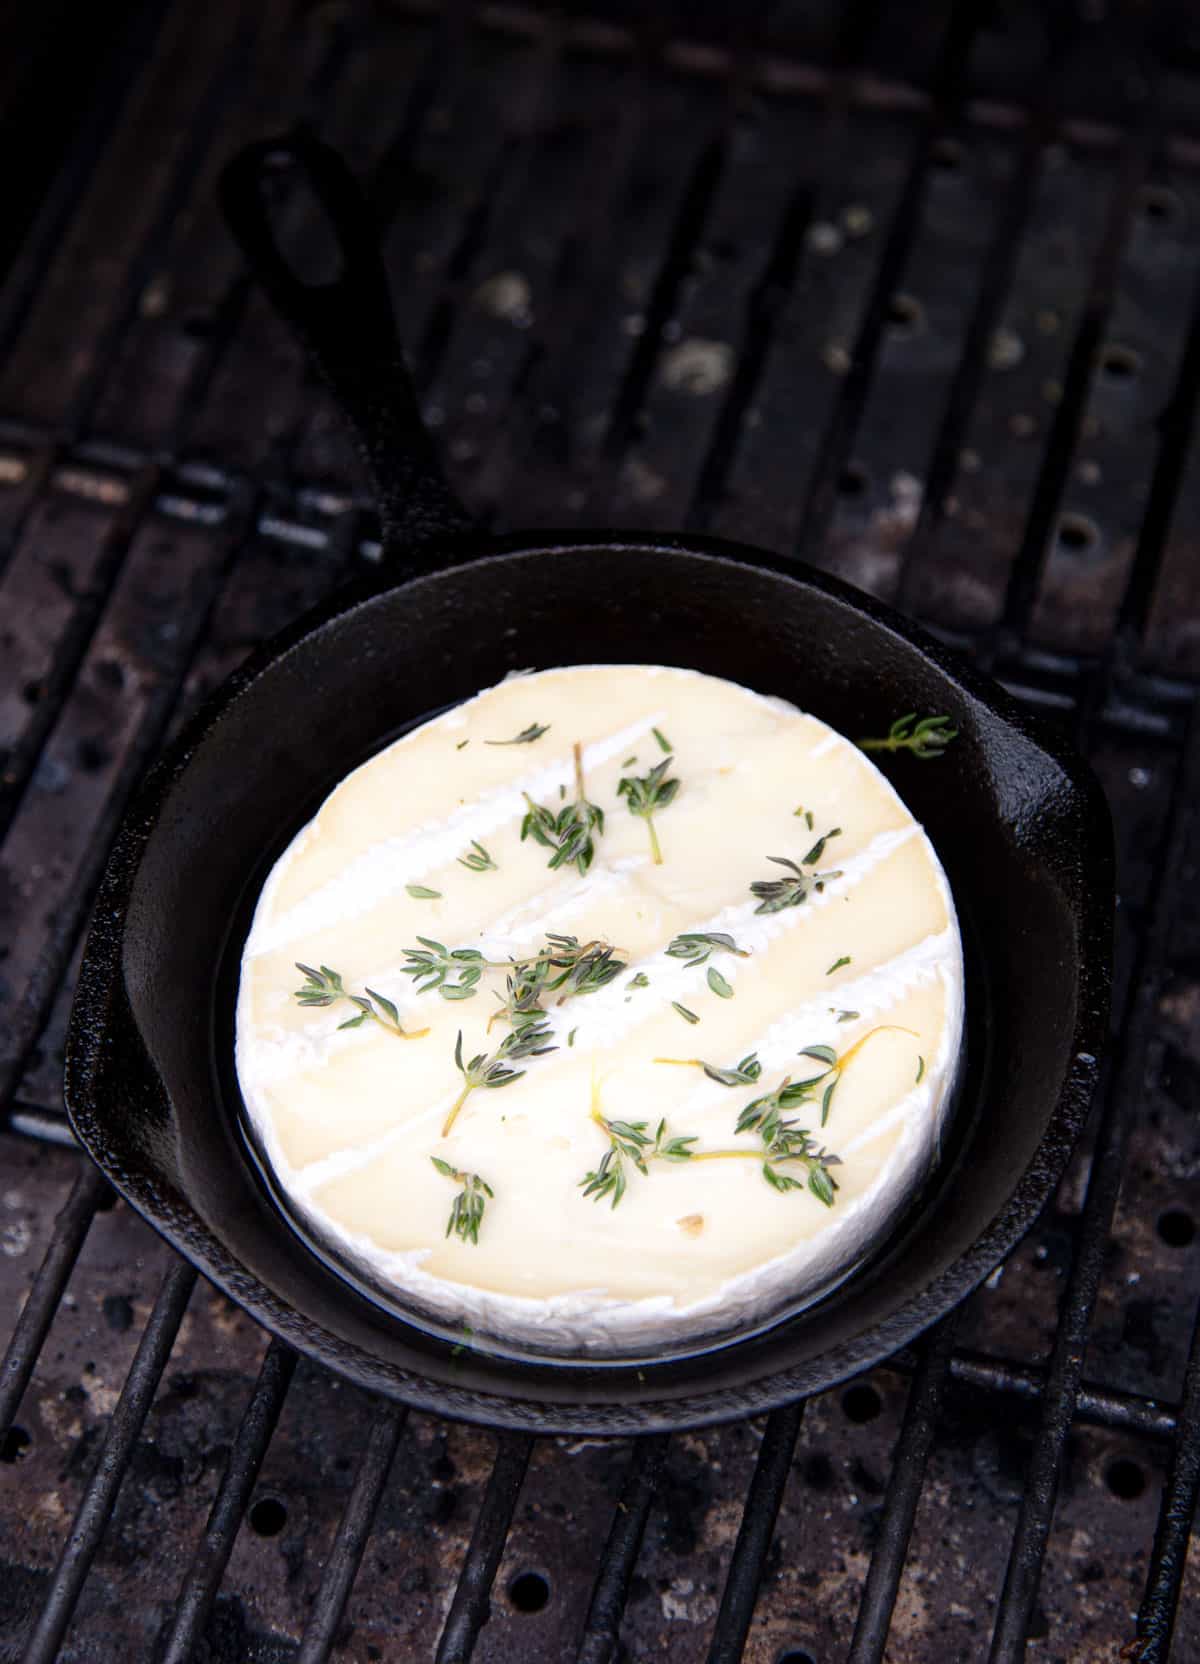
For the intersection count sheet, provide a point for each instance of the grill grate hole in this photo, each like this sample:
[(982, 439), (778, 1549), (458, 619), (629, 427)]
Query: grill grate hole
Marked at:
[(268, 1516), (1176, 1228), (905, 315), (1120, 363), (861, 1402), (15, 1442), (1125, 1478), (529, 1591), (1077, 534)]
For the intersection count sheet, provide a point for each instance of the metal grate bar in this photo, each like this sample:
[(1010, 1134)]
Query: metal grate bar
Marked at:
[(611, 1588), (472, 1598), (1175, 425), (353, 1530), (998, 275), (110, 84), (1156, 1617), (744, 1581), (694, 206), (1025, 577), (37, 1314), (154, 1349), (903, 1494), (949, 81), (199, 1588), (1124, 1412), (1104, 1183)]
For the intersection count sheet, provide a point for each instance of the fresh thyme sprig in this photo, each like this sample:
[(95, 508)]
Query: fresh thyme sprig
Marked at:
[(466, 1212), (925, 738), (570, 833), (478, 860), (323, 986), (775, 894), (786, 1141), (646, 794), (630, 1141), (526, 736), (433, 965), (564, 966), (744, 1073), (835, 1066), (492, 1069), (695, 946)]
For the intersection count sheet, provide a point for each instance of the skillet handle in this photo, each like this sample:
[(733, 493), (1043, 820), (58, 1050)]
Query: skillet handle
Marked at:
[(349, 330)]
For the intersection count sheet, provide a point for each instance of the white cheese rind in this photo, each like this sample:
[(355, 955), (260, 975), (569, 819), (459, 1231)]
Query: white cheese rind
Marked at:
[(275, 1049)]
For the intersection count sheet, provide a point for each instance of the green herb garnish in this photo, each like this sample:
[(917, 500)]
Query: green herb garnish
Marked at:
[(774, 894), (419, 893), (630, 1141), (837, 964), (466, 1212), (641, 980), (689, 1016), (925, 739), (433, 965), (478, 860), (784, 1141), (569, 833), (744, 1073), (491, 1069), (695, 946), (526, 736), (646, 794), (718, 984), (818, 849), (848, 1016), (664, 743), (920, 1070), (324, 987), (563, 966)]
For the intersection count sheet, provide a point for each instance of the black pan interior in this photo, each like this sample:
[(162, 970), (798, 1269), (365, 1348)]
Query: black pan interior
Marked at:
[(1017, 824)]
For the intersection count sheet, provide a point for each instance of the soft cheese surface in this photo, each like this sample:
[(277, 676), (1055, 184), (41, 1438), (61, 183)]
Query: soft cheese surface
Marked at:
[(350, 1119)]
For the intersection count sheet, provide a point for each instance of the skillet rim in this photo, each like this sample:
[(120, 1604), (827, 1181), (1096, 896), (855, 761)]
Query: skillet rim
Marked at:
[(97, 1007)]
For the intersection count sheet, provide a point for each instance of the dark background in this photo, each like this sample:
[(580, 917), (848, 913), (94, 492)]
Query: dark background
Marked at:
[(908, 291)]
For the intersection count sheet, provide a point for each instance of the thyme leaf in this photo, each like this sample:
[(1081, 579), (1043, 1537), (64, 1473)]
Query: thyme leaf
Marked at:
[(478, 860), (664, 743), (493, 1069), (695, 946), (744, 1073), (646, 794), (689, 1016), (818, 849), (784, 1141), (630, 1141), (775, 894), (718, 984), (433, 965), (420, 893), (323, 986), (526, 736), (837, 964), (572, 831), (925, 738), (466, 1211)]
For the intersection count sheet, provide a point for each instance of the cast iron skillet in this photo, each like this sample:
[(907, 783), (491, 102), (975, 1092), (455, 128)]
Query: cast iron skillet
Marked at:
[(1017, 819)]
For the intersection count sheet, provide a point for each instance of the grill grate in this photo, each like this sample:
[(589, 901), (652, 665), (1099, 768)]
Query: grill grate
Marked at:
[(910, 291)]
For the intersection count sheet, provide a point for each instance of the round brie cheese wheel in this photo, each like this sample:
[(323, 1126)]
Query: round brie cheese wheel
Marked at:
[(717, 1076)]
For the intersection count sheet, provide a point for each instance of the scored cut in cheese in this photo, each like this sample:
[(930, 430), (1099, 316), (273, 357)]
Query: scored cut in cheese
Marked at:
[(349, 1119)]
